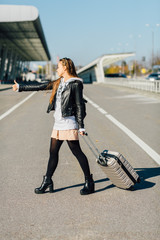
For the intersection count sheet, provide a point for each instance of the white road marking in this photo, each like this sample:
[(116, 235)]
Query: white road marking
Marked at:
[(16, 106), (139, 99), (95, 105), (102, 110), (153, 154)]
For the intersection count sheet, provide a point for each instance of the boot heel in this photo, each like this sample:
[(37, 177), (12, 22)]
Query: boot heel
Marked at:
[(88, 186), (47, 183), (51, 188)]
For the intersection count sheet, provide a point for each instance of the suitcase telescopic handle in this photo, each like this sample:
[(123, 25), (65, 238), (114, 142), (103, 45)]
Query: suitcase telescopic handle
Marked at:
[(92, 147)]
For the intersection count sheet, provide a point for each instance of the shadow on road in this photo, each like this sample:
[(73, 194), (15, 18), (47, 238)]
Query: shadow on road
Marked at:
[(3, 89), (144, 174), (148, 172), (82, 184)]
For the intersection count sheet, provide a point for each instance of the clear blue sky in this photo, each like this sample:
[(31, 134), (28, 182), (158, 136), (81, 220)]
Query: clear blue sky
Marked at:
[(86, 29)]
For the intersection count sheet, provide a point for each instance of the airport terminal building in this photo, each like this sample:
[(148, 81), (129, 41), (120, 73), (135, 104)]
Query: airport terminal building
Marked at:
[(21, 40)]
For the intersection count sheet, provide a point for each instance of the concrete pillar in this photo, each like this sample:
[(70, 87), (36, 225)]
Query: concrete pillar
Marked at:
[(14, 61), (20, 68), (50, 73), (101, 69), (17, 69), (99, 72), (3, 59), (0, 55), (10, 53), (11, 65)]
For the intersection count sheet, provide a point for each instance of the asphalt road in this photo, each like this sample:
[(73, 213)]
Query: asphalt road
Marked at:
[(108, 214)]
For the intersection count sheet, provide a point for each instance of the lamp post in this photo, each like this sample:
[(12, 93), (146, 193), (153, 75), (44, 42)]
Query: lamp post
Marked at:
[(152, 27), (135, 37)]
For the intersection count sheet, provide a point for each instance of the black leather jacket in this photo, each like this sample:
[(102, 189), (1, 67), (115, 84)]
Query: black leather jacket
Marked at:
[(72, 102)]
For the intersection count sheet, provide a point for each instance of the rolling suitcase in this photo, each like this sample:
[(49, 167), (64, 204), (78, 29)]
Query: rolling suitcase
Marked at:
[(116, 167)]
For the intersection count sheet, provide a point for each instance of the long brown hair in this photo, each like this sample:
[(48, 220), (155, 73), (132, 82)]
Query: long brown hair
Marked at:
[(70, 69), (69, 66), (54, 89)]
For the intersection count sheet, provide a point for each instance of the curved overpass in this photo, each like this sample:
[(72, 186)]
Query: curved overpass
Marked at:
[(94, 71)]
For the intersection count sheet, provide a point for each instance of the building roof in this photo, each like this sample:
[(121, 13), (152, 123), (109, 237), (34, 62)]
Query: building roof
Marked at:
[(21, 30)]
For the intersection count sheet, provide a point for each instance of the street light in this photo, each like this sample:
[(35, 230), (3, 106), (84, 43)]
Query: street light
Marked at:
[(152, 27), (134, 37)]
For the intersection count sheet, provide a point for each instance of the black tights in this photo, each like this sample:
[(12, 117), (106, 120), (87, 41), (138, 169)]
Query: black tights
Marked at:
[(76, 150)]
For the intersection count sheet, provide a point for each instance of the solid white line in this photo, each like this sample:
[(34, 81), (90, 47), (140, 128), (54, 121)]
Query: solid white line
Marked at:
[(154, 155), (95, 105), (102, 110), (16, 106)]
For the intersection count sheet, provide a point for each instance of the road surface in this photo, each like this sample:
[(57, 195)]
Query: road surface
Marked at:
[(108, 214)]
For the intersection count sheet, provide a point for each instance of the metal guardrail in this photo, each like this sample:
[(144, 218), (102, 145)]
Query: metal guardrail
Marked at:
[(142, 84)]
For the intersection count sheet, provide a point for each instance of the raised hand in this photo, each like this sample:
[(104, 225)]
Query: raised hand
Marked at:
[(15, 86)]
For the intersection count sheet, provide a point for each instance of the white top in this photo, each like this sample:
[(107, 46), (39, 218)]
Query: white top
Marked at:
[(67, 122)]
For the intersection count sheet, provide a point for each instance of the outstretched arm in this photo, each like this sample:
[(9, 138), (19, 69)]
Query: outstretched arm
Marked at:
[(40, 87)]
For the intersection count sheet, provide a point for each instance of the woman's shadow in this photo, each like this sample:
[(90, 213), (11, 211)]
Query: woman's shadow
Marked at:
[(82, 184), (144, 173)]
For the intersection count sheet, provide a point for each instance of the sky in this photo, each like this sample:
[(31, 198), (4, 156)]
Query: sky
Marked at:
[(86, 29)]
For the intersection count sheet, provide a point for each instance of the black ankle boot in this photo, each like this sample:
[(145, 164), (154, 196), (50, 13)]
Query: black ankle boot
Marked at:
[(47, 183), (88, 186)]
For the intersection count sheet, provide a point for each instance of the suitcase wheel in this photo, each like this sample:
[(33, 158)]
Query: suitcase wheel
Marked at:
[(131, 188), (139, 179)]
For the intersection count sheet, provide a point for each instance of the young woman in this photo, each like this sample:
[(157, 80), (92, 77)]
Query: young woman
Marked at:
[(68, 103)]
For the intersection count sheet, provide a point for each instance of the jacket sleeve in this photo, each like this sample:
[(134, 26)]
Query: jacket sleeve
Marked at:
[(39, 87), (78, 98)]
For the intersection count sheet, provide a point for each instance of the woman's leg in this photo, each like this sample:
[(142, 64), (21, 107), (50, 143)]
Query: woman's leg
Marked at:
[(82, 159), (89, 183), (54, 156), (52, 164)]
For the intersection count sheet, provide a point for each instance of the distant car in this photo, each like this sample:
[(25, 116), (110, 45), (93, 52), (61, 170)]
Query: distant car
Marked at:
[(153, 76), (115, 75)]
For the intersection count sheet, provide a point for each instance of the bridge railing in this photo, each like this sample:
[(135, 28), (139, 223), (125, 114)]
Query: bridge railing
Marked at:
[(142, 84)]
